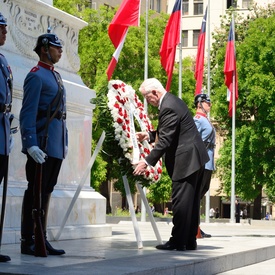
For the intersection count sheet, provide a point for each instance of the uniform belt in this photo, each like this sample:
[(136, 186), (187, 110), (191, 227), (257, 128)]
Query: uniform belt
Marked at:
[(209, 145), (59, 115), (5, 108)]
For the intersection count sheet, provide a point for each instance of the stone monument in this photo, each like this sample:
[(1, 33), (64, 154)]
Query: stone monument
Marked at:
[(26, 21)]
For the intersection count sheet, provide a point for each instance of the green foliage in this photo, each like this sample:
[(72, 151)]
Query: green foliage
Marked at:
[(255, 115)]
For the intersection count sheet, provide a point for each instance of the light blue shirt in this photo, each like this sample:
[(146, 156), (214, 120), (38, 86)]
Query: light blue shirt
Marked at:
[(205, 129)]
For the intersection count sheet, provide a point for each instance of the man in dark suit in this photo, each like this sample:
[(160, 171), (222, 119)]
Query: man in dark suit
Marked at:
[(178, 141)]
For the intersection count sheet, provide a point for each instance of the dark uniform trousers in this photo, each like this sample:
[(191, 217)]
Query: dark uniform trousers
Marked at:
[(185, 207), (50, 173), (3, 166), (206, 179)]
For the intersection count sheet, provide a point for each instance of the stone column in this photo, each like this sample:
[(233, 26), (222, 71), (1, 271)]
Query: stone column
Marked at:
[(26, 21)]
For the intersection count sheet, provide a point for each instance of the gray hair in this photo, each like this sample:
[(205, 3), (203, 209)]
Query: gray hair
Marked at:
[(151, 84)]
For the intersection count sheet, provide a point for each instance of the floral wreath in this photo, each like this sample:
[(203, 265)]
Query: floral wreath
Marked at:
[(125, 105)]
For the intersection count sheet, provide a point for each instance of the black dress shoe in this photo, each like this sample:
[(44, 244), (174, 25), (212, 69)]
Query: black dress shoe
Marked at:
[(204, 235), (170, 246), (191, 246), (4, 258), (53, 251)]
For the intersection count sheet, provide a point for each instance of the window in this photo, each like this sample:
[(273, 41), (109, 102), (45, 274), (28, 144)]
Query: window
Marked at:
[(185, 7), (231, 3), (198, 7), (152, 4), (158, 6), (247, 4), (184, 39), (196, 34)]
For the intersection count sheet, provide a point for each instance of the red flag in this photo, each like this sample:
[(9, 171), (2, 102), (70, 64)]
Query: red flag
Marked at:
[(127, 15), (200, 56), (170, 41), (230, 68)]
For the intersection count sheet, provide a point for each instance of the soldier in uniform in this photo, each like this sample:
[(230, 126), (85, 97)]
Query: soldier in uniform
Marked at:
[(43, 134), (5, 108), (207, 131)]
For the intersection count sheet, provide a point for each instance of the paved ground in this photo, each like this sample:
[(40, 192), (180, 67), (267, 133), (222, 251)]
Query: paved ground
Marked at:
[(231, 248)]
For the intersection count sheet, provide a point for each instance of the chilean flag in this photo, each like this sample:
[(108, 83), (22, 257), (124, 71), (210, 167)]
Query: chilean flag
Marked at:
[(230, 68), (200, 56), (170, 41), (127, 15)]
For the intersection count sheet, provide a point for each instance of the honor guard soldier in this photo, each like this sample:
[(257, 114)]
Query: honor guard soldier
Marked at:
[(5, 108), (44, 135), (208, 134)]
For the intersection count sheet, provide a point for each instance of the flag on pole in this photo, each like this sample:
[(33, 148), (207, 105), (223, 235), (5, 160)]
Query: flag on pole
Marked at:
[(230, 68), (170, 41), (127, 15), (200, 56)]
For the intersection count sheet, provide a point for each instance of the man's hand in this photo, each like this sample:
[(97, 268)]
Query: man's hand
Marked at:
[(37, 154), (141, 136), (140, 168)]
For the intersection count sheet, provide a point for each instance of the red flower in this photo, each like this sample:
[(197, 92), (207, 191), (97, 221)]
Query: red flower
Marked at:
[(119, 120), (156, 177), (116, 105), (115, 86)]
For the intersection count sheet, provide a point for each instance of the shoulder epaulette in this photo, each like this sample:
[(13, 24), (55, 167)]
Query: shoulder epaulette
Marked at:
[(35, 69)]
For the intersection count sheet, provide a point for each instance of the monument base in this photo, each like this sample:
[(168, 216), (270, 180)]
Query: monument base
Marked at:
[(85, 219)]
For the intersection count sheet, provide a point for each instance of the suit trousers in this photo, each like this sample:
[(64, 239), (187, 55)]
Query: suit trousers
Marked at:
[(186, 209)]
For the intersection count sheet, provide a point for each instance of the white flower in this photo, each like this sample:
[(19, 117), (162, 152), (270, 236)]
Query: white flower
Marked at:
[(120, 99)]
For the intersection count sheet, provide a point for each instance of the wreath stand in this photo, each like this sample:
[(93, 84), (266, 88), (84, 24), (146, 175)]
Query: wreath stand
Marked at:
[(128, 195), (133, 214)]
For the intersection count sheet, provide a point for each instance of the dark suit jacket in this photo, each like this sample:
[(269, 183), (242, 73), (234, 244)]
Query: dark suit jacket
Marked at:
[(179, 141)]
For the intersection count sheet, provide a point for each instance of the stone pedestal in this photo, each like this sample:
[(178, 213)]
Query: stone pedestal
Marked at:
[(26, 21)]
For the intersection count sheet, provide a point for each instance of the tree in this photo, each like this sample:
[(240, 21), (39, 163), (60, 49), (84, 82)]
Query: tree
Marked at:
[(255, 116), (95, 50)]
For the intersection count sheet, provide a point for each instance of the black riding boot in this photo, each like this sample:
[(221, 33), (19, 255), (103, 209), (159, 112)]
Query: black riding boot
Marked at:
[(50, 249), (27, 225)]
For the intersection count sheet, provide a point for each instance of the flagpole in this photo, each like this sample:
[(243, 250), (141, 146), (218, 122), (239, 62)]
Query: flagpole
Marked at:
[(180, 55), (207, 197), (143, 208), (232, 213)]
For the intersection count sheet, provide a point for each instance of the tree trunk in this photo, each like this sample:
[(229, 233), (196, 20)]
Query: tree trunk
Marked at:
[(257, 210)]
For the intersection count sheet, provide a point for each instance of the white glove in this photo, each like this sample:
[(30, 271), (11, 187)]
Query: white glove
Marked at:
[(37, 154), (11, 142)]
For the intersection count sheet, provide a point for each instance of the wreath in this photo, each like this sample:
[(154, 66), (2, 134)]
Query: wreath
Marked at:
[(128, 113)]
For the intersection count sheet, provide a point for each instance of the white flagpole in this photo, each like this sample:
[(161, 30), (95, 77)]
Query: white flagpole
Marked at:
[(232, 212), (143, 209), (180, 55), (207, 195)]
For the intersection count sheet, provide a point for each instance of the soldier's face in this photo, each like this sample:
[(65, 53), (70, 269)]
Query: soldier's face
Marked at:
[(3, 32), (56, 53)]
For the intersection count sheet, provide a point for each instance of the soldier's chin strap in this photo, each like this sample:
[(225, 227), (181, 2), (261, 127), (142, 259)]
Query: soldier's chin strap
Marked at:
[(49, 56), (202, 107)]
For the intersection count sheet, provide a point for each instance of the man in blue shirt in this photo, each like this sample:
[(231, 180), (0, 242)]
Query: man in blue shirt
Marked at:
[(43, 133), (5, 108)]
